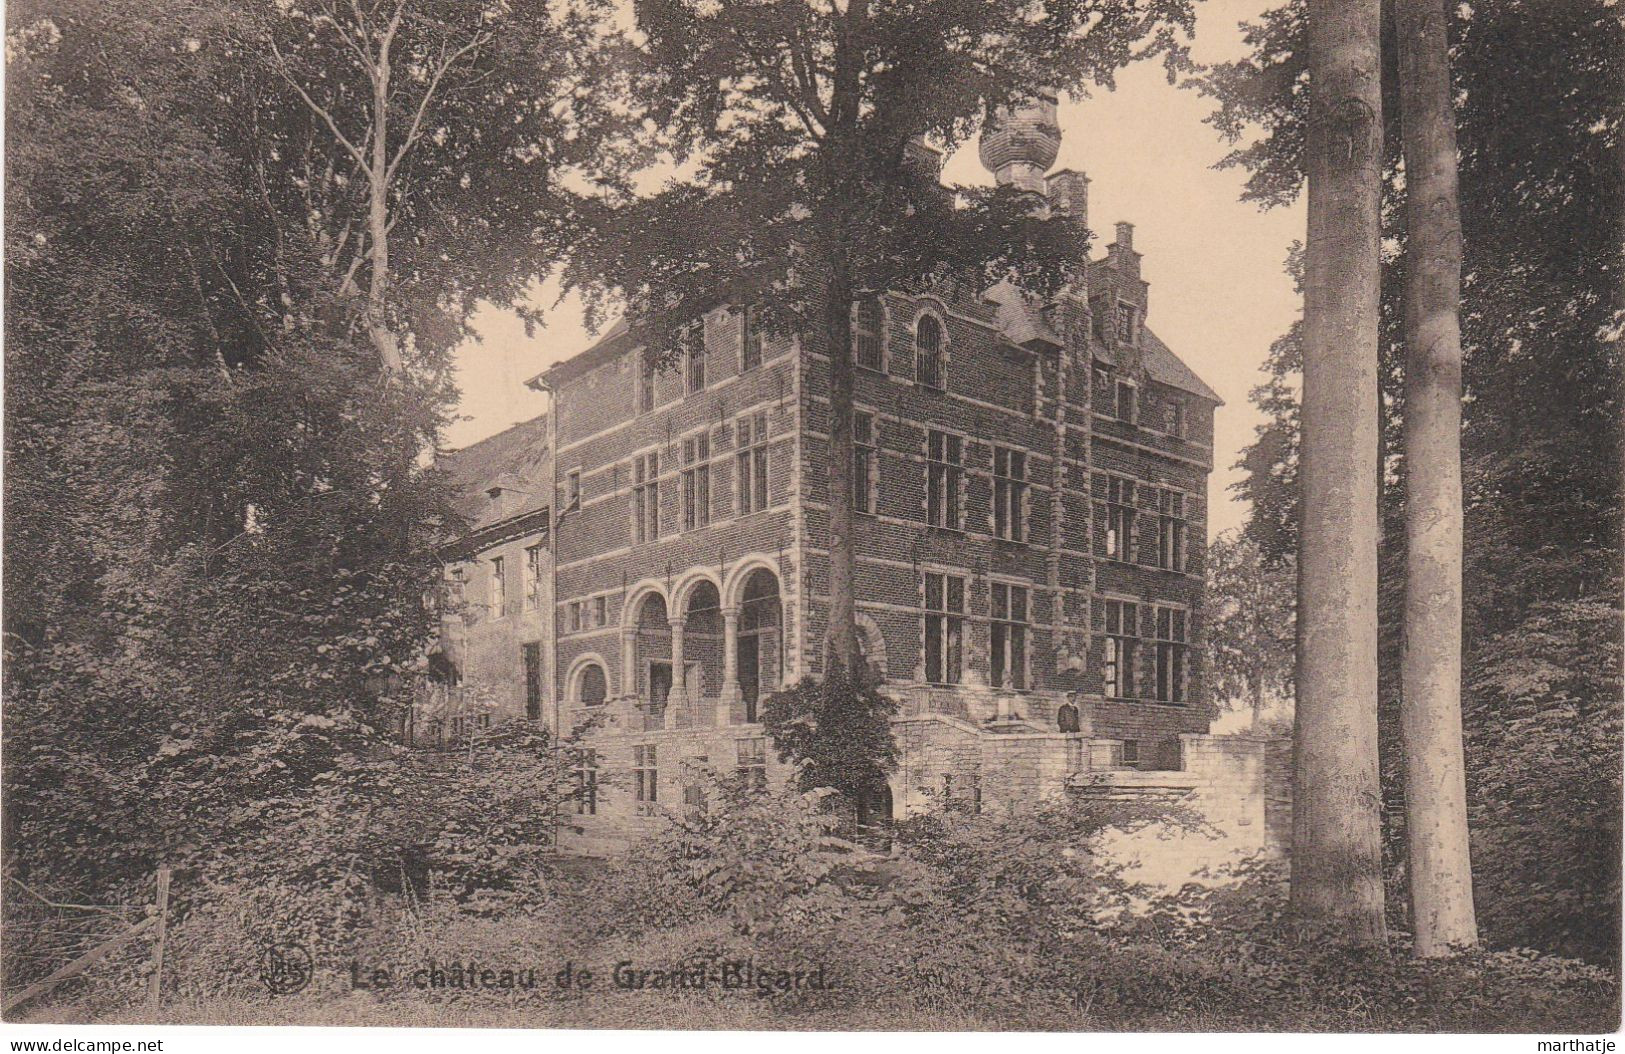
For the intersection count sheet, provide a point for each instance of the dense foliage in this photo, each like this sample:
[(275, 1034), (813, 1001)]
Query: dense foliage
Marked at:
[(1248, 640), (1542, 209), (837, 731), (220, 523)]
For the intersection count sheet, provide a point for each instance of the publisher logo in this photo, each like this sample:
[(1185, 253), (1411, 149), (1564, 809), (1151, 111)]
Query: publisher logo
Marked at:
[(285, 968)]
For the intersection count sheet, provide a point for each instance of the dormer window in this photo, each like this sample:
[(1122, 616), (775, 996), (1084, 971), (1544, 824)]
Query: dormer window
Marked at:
[(1128, 323)]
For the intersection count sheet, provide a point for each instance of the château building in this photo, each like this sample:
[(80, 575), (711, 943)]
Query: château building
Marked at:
[(1031, 523)]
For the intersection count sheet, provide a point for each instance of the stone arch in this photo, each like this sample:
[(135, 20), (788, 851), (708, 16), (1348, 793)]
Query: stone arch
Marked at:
[(870, 641), (578, 670), (684, 591), (733, 587), (632, 607)]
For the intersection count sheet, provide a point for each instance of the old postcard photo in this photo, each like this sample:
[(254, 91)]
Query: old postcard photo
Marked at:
[(1066, 516)]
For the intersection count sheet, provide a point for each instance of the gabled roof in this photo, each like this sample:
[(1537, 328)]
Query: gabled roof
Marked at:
[(516, 460), (605, 349)]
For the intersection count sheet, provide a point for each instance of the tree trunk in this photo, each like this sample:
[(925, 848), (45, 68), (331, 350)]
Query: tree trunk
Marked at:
[(1337, 834), (1440, 872), (837, 232), (843, 634), (383, 338)]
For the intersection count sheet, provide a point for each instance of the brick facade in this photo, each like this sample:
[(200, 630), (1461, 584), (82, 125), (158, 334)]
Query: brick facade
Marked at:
[(1000, 573)]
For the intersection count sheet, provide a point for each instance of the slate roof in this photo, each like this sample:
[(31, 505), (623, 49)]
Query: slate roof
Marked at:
[(516, 460), (1020, 319)]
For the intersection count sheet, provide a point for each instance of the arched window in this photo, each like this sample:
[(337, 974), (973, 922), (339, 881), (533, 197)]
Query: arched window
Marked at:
[(592, 688), (928, 352), (868, 336)]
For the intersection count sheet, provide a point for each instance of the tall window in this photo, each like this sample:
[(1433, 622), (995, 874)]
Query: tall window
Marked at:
[(1119, 518), (1117, 672), (572, 490), (499, 587), (694, 357), (1009, 494), (1008, 657), (928, 352), (750, 480), (1170, 645), (944, 628), (1127, 402), (868, 334), (754, 349), (944, 471), (697, 481), (594, 686), (531, 655), (646, 497), (646, 385), (865, 466), (586, 771), (1171, 531), (600, 611), (753, 764), (533, 576), (1127, 316), (646, 778), (577, 608)]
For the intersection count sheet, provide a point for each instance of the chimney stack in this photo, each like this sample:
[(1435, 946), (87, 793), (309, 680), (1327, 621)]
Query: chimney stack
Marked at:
[(1068, 193), (1125, 235)]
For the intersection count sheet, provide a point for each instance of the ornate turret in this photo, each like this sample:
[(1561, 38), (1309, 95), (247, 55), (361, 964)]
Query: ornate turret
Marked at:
[(1020, 143)]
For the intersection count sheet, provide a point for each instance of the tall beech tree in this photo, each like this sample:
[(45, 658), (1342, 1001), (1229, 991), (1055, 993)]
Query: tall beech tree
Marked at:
[(427, 147), (1441, 882), (797, 119), (1542, 203), (1337, 828)]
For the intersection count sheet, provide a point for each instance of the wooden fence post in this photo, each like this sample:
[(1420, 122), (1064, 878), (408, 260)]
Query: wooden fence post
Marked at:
[(156, 981)]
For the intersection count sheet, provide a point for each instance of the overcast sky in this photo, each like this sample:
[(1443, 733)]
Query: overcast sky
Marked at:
[(1219, 295)]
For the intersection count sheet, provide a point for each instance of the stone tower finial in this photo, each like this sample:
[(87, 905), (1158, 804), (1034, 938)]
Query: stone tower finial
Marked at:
[(1021, 142)]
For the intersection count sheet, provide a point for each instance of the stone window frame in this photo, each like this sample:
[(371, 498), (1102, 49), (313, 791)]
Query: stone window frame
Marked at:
[(696, 456), (695, 354), (944, 347), (645, 395), (1136, 321), (753, 456), (644, 481), (1025, 623), (1023, 485), (1173, 509), (646, 778), (870, 505), (533, 576), (881, 332), (496, 603), (1127, 633), (586, 778), (1124, 508), (574, 681), (958, 508), (1176, 645), (749, 329), (955, 623)]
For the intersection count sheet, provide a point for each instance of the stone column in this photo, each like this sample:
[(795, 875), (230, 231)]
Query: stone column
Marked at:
[(730, 667), (679, 675), (629, 664)]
